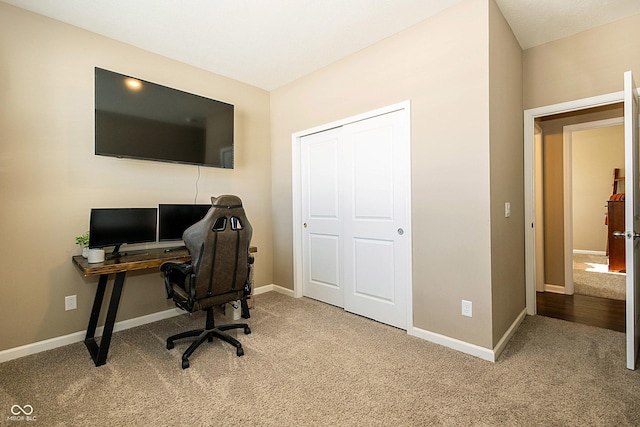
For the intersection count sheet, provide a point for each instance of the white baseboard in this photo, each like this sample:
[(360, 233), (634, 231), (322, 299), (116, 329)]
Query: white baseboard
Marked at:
[(37, 347), (490, 355), (463, 346), (556, 289), (484, 353), (272, 287), (497, 350), (587, 252)]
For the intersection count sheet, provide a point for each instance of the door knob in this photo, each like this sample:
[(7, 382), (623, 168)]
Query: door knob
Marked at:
[(622, 235), (400, 231), (304, 225)]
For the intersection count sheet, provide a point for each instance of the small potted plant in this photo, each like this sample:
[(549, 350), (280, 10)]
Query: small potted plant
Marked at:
[(83, 241)]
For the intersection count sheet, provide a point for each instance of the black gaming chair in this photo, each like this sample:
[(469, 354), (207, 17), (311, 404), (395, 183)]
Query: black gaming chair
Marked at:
[(217, 274)]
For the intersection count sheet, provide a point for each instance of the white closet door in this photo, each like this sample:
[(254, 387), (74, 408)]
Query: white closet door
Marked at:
[(376, 218), (321, 213), (356, 247)]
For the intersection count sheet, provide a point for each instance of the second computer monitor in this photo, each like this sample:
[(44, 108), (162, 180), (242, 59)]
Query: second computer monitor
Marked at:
[(174, 219)]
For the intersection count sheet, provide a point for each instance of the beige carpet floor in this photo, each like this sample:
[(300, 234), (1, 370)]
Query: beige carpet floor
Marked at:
[(591, 277), (310, 364)]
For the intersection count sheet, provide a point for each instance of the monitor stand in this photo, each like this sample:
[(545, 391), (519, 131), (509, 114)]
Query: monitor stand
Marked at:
[(115, 253)]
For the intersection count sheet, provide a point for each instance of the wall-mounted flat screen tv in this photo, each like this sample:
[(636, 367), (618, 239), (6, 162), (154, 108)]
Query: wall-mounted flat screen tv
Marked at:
[(143, 120)]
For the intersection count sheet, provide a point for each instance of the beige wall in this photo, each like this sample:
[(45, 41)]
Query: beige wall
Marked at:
[(50, 177), (506, 155), (442, 67), (595, 153), (587, 64), (553, 196)]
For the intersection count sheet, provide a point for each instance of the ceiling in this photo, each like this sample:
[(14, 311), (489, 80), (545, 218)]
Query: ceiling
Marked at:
[(269, 43)]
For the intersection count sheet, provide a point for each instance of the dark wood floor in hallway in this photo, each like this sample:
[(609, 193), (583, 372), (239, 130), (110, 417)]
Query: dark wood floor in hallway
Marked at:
[(594, 311)]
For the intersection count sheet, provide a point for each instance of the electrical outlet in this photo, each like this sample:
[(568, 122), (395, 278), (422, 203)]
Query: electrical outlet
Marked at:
[(467, 308), (70, 303)]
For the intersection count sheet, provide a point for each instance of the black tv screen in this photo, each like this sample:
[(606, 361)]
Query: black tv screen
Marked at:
[(119, 226), (138, 119), (173, 220)]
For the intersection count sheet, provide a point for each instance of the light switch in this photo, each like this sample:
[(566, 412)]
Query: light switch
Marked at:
[(507, 209)]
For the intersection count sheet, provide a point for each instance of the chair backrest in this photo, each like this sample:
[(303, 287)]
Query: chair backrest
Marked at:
[(219, 247)]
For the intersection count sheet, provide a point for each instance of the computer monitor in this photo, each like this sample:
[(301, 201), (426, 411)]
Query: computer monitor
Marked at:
[(119, 226), (174, 219)]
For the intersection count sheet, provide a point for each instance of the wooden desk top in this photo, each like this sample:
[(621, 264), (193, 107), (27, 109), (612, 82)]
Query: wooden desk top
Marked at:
[(135, 260)]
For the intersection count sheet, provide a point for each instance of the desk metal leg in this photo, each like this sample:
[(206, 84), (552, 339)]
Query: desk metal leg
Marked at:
[(99, 352)]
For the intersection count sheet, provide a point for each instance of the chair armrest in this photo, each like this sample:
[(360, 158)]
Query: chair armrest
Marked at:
[(175, 272), (247, 284)]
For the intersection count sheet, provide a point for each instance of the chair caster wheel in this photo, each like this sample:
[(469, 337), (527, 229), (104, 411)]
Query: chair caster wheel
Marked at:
[(247, 330), (169, 345), (240, 352), (185, 363)]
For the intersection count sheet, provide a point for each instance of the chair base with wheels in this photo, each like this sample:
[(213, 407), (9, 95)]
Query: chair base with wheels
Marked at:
[(210, 332)]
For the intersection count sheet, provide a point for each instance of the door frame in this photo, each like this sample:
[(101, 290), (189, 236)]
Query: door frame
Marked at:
[(529, 117), (296, 154)]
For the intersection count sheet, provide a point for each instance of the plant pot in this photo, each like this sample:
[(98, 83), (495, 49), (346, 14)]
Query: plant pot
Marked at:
[(85, 252), (95, 256)]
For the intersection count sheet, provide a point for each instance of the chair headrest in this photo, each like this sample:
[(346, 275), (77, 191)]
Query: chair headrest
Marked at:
[(226, 201)]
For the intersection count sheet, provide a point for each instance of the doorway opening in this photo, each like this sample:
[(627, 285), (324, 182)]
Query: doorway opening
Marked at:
[(574, 157)]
